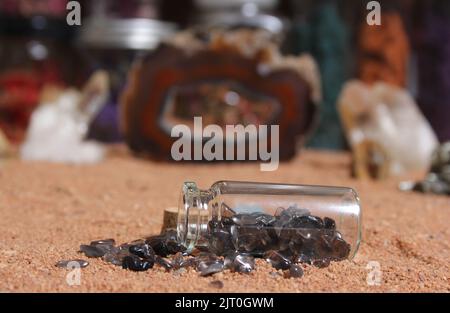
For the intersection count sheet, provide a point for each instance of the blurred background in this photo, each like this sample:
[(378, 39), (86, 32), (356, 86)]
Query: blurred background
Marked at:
[(410, 50)]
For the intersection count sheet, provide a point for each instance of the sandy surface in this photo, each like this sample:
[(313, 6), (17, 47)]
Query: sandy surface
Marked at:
[(48, 210)]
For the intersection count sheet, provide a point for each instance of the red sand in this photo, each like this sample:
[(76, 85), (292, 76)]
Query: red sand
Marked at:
[(48, 210)]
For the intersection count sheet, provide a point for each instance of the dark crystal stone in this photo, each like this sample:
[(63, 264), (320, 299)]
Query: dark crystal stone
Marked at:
[(291, 211), (163, 262), (116, 255), (179, 261), (143, 251), (244, 219), (165, 243), (294, 271), (66, 263), (105, 245), (205, 257), (207, 268), (306, 221), (329, 223), (228, 261), (134, 263), (220, 242), (243, 263), (92, 252), (110, 242), (226, 211), (227, 222), (213, 225), (445, 174), (341, 249), (304, 258), (321, 263), (265, 219), (113, 258), (278, 261), (281, 226), (251, 239), (323, 246)]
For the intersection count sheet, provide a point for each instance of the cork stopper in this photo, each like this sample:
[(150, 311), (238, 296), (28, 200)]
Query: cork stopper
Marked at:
[(170, 218)]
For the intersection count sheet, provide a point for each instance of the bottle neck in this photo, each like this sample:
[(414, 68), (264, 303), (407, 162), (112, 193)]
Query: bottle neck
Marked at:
[(194, 213)]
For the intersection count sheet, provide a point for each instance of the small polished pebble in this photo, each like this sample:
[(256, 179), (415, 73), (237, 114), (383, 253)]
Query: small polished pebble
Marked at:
[(163, 262), (109, 241), (278, 261), (92, 251), (437, 181), (294, 271), (66, 263), (143, 250), (240, 263), (207, 268), (165, 244), (104, 245), (329, 223), (113, 259), (116, 255), (321, 263), (134, 263), (180, 261)]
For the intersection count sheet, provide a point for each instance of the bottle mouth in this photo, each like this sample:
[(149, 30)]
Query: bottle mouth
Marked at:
[(192, 216)]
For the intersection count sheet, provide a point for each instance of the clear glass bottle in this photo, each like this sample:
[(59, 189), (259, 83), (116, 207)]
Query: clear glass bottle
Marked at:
[(312, 222)]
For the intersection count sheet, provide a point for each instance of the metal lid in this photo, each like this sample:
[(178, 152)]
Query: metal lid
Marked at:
[(134, 34)]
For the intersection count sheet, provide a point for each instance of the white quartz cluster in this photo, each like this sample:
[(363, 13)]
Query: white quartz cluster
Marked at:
[(58, 129), (388, 117)]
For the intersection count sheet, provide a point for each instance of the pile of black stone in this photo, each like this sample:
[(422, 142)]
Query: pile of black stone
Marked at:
[(438, 179), (289, 237)]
